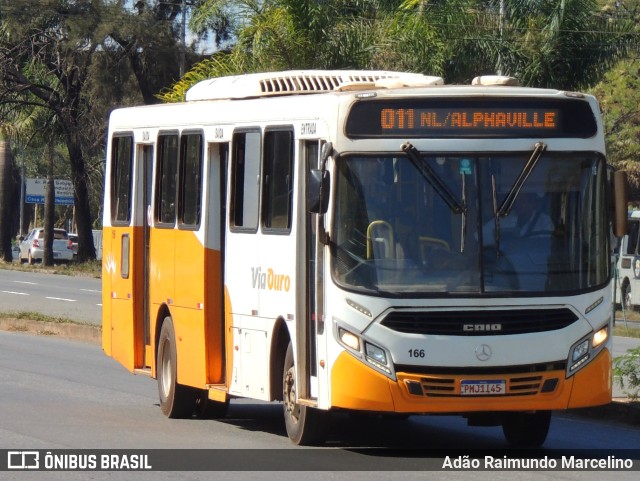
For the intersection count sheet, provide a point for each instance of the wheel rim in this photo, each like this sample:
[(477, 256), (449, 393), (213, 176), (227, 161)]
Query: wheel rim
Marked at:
[(290, 405), (627, 298), (165, 370)]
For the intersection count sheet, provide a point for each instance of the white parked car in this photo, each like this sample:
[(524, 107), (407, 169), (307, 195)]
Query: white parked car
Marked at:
[(32, 247)]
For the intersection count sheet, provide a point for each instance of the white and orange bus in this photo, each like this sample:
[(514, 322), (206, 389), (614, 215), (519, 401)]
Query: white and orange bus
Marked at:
[(363, 241)]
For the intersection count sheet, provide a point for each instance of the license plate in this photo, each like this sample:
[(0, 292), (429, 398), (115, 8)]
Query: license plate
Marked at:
[(483, 388)]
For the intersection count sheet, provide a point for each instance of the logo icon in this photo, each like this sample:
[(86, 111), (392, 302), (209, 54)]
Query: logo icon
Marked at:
[(483, 352), (23, 460)]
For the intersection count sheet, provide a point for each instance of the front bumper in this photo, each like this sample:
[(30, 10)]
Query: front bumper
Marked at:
[(356, 386)]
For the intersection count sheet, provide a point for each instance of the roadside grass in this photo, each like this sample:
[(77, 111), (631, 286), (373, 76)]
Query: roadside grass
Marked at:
[(84, 269), (630, 329), (621, 330), (43, 325), (36, 316)]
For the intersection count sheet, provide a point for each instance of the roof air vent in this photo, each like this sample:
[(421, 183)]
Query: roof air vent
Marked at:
[(303, 81)]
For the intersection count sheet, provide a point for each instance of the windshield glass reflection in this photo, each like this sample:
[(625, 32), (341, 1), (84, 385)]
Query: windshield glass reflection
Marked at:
[(394, 233)]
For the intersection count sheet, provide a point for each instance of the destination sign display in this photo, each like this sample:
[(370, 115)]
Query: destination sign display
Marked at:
[(476, 118)]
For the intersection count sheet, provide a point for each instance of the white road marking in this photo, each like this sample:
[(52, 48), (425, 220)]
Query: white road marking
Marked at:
[(16, 293), (90, 290), (60, 299), (26, 282)]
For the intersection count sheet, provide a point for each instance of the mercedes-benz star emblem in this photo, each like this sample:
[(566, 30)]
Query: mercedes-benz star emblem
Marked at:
[(483, 352)]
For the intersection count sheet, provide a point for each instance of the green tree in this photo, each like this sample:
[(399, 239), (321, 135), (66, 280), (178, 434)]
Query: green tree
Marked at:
[(567, 44), (304, 34), (45, 55), (79, 59), (619, 96), (149, 37)]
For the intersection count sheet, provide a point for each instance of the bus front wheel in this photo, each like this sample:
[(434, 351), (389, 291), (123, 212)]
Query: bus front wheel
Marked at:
[(626, 297), (176, 400), (527, 430), (305, 425)]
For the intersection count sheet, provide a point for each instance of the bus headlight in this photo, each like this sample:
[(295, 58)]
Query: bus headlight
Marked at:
[(349, 339), (580, 351), (586, 349), (376, 356), (599, 337), (366, 351), (375, 353)]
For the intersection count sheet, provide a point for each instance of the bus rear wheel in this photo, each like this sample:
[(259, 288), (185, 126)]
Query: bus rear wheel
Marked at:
[(305, 425), (176, 400), (527, 430)]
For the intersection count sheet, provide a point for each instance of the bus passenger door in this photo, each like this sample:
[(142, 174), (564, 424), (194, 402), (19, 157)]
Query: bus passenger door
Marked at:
[(313, 323), (147, 176), (215, 222), (126, 258), (243, 275)]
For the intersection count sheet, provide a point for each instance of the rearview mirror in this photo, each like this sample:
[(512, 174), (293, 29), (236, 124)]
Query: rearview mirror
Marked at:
[(620, 203)]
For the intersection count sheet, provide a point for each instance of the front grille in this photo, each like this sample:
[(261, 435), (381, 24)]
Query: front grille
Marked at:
[(481, 322), (522, 380), (519, 370), (516, 386)]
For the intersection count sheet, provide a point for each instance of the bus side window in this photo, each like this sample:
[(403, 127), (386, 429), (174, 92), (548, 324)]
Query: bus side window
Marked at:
[(632, 239), (122, 164), (165, 209), (245, 176), (277, 192), (190, 180)]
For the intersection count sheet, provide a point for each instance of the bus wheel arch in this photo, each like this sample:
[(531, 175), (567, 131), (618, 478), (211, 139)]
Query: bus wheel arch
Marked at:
[(161, 315), (279, 343)]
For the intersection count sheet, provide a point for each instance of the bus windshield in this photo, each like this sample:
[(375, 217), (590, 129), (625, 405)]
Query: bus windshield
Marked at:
[(395, 233)]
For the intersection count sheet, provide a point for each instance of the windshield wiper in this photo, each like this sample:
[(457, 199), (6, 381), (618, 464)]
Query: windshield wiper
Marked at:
[(439, 186), (512, 195), (507, 204)]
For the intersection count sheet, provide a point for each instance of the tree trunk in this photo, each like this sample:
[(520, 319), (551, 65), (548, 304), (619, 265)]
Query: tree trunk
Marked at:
[(49, 219), (86, 249), (6, 204)]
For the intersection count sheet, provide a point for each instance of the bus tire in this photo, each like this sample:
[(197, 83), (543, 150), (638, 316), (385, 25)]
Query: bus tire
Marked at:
[(625, 300), (527, 430), (305, 425), (176, 400)]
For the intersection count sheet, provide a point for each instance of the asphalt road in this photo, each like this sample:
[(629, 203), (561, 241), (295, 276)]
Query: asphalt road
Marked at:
[(76, 298), (59, 394), (79, 299)]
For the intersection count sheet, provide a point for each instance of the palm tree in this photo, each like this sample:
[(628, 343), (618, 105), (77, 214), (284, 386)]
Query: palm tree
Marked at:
[(567, 44), (306, 34)]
